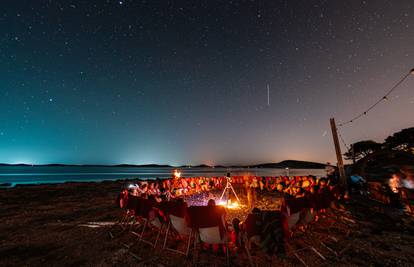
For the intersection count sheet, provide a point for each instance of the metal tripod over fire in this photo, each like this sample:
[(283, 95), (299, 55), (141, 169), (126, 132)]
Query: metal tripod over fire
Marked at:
[(227, 189)]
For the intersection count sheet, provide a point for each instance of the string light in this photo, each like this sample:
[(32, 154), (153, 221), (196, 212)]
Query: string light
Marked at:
[(384, 98), (343, 141)]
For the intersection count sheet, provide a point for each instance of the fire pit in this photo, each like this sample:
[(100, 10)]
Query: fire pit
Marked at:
[(264, 201)]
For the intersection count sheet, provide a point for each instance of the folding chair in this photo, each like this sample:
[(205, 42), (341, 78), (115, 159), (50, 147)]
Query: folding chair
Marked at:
[(265, 229), (308, 213), (336, 221), (153, 221), (149, 223), (291, 211), (323, 199), (175, 213), (129, 203), (306, 221), (209, 225), (251, 229)]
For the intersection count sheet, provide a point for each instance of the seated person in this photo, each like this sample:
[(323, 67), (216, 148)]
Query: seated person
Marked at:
[(164, 194), (235, 235), (357, 183), (211, 223), (211, 183), (142, 189), (272, 234), (211, 202), (253, 226), (323, 183), (279, 188), (299, 192)]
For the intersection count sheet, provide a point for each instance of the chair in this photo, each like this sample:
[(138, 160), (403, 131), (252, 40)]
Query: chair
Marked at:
[(291, 210), (291, 214), (152, 219), (335, 219), (129, 203), (175, 212), (251, 229), (323, 199), (308, 213), (209, 225), (151, 222), (261, 228)]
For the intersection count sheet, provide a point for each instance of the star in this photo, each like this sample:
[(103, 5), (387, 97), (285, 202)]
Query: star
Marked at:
[(152, 67)]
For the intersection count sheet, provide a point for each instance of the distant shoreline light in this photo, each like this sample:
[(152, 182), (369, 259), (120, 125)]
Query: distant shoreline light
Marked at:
[(17, 162)]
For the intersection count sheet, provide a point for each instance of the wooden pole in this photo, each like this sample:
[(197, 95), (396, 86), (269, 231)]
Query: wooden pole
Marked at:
[(342, 176)]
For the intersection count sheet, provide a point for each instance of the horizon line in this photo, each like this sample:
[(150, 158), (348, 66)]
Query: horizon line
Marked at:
[(159, 164)]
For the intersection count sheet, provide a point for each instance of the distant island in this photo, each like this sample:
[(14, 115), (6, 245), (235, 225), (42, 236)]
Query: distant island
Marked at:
[(293, 164)]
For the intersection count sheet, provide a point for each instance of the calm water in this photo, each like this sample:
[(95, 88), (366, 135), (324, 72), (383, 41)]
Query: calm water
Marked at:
[(46, 174)]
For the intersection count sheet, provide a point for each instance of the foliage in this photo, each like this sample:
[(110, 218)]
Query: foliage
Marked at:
[(362, 149), (402, 140)]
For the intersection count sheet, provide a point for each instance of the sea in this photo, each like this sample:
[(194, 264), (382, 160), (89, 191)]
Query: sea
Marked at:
[(14, 175)]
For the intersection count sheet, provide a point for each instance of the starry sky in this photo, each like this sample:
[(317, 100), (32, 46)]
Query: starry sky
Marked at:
[(191, 82)]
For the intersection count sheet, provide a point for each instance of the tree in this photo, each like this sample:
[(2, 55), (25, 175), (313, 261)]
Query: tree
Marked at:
[(402, 140), (362, 149)]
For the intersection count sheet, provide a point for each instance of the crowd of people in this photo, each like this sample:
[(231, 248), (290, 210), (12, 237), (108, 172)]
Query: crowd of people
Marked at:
[(167, 189), (264, 226)]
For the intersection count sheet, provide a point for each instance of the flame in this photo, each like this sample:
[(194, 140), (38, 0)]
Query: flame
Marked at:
[(395, 183), (229, 205), (222, 203), (177, 174)]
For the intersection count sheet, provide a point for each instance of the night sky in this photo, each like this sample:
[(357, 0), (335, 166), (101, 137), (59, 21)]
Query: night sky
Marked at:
[(185, 82)]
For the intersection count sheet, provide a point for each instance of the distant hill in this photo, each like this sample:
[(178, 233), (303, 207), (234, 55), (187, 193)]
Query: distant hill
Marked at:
[(91, 165), (195, 166), (292, 164), (142, 166), (219, 166)]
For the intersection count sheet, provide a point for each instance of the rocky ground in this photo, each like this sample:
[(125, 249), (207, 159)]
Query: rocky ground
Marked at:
[(52, 225)]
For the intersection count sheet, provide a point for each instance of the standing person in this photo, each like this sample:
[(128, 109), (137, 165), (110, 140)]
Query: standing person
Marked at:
[(330, 172), (246, 183), (248, 192), (261, 184), (211, 183), (228, 180), (253, 186)]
